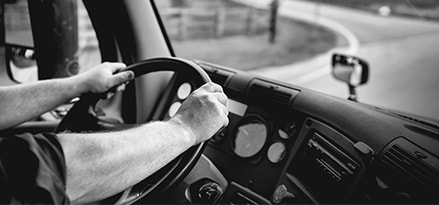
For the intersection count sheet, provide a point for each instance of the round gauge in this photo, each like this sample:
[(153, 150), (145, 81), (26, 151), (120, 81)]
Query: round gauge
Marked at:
[(184, 91), (174, 108), (283, 134), (276, 152), (249, 137)]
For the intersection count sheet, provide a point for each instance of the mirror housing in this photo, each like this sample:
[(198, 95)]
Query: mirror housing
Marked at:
[(21, 64), (351, 70)]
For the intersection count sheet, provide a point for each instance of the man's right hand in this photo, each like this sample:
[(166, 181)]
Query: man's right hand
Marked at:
[(204, 112)]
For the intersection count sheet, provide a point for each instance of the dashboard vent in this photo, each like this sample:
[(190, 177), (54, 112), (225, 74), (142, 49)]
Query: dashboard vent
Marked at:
[(268, 92), (409, 166)]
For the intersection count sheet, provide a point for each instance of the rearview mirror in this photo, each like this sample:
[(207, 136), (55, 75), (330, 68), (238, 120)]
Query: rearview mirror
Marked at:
[(350, 69)]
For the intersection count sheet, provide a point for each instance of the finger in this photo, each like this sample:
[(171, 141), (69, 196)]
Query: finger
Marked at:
[(121, 87), (225, 110), (116, 67), (217, 88), (225, 117), (221, 103), (222, 98), (108, 95), (212, 87), (226, 120), (122, 77)]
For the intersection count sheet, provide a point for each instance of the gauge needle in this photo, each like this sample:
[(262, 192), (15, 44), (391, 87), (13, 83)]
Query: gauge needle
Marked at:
[(245, 131)]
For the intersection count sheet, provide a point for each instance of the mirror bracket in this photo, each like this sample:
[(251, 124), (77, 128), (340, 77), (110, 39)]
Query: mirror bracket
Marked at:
[(352, 93)]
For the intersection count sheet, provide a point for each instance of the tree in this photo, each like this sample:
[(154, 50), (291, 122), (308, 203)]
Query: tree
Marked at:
[(178, 3), (274, 6)]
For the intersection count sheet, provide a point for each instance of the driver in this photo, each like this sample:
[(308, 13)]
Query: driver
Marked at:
[(85, 167)]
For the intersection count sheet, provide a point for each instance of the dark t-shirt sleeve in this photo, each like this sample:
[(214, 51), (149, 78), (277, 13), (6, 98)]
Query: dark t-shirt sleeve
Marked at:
[(32, 170)]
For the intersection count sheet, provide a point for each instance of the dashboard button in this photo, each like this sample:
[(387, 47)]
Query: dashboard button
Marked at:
[(282, 134)]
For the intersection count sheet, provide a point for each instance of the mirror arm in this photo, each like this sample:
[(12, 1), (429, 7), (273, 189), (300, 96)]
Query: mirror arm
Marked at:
[(352, 93)]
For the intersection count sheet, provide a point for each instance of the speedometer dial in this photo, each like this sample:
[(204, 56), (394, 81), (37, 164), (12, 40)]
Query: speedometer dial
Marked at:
[(249, 137)]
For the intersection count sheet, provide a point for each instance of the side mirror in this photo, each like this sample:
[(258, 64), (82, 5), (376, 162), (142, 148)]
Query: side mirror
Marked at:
[(21, 64), (351, 70)]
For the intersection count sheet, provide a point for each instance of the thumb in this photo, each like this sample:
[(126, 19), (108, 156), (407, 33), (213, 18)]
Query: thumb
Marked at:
[(123, 77)]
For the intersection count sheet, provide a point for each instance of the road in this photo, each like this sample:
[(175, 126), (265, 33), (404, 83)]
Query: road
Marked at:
[(403, 55)]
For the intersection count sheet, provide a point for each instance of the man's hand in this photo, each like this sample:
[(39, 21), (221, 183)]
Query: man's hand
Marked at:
[(204, 112), (104, 77)]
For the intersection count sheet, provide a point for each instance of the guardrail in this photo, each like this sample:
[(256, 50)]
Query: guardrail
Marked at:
[(193, 23)]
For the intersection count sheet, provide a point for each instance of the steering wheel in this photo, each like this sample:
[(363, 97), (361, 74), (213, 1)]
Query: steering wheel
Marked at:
[(82, 117)]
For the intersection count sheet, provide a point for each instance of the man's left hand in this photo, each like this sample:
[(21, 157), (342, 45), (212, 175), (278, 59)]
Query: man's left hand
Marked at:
[(105, 76)]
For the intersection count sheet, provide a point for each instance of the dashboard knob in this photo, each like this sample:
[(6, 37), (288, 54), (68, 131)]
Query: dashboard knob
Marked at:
[(366, 152), (281, 195), (204, 191), (209, 193)]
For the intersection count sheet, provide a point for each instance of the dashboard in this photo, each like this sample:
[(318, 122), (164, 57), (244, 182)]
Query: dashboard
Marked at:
[(286, 144)]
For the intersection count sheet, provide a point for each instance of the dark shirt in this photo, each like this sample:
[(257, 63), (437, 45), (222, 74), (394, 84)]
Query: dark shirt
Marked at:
[(32, 170)]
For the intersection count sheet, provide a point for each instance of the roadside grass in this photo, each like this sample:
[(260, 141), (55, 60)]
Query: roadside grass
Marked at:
[(244, 50), (295, 41)]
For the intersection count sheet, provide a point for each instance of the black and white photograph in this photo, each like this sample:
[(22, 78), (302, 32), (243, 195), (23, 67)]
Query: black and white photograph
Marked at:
[(219, 102)]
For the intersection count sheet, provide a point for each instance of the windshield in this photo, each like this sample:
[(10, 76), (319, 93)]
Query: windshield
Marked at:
[(292, 41)]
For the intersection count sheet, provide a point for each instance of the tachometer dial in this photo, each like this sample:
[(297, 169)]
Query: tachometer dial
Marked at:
[(249, 137)]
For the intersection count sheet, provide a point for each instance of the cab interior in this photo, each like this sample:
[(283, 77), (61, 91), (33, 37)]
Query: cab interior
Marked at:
[(284, 144)]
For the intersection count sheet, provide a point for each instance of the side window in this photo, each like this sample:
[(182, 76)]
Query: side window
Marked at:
[(88, 53), (16, 51), (18, 60)]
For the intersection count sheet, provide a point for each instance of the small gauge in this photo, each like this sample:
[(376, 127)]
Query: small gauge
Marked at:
[(174, 108), (184, 91), (283, 134), (276, 152), (288, 132), (249, 137)]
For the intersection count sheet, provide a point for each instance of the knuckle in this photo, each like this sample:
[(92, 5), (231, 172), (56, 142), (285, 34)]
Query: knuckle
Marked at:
[(209, 85), (211, 98)]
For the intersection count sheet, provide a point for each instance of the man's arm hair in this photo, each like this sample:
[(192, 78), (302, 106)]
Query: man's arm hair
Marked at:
[(20, 103), (100, 165)]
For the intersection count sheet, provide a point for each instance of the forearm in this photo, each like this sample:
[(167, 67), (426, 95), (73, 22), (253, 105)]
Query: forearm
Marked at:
[(24, 102), (99, 165)]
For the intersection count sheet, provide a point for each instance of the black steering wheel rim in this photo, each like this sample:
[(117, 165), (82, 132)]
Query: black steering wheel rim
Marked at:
[(83, 111)]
